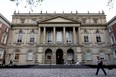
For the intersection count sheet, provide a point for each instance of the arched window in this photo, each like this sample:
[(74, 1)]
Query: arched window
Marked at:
[(88, 55), (16, 55), (30, 56)]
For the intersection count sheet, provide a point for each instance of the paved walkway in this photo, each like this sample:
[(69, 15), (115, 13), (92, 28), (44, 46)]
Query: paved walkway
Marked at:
[(28, 72)]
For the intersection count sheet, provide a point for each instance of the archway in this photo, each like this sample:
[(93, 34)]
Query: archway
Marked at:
[(59, 56), (48, 56), (70, 56)]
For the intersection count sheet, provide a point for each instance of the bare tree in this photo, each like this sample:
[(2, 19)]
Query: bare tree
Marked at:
[(110, 4), (35, 3), (28, 3)]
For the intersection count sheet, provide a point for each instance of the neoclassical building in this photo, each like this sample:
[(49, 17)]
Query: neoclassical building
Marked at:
[(58, 38)]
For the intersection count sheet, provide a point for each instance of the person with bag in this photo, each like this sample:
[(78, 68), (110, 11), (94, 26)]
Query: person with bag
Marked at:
[(100, 66)]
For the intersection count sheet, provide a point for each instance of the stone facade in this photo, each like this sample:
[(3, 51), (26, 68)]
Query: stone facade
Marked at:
[(58, 38)]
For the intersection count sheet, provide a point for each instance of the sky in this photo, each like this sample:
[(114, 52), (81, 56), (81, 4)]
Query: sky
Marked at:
[(7, 7)]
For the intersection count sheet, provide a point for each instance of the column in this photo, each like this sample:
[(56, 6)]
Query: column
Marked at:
[(54, 58), (25, 38), (74, 42), (44, 34), (79, 36), (12, 33), (54, 30), (39, 35), (104, 36), (92, 37), (64, 35)]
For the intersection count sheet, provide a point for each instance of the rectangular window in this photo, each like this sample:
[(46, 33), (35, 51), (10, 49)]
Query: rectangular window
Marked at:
[(59, 37), (32, 37), (30, 56), (68, 37), (98, 39), (115, 52), (113, 40), (20, 36), (102, 55), (86, 39), (1, 53), (50, 37), (17, 56), (88, 56), (0, 24), (4, 38)]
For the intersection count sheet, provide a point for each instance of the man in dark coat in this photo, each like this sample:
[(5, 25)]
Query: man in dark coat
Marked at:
[(100, 65)]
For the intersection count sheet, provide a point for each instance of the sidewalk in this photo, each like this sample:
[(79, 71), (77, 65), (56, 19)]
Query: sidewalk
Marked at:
[(54, 72)]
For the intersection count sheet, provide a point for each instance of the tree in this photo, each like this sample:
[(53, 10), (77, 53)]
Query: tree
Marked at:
[(28, 3), (35, 3), (110, 4)]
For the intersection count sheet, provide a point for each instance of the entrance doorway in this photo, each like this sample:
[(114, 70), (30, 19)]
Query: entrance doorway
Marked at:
[(59, 57), (70, 56), (48, 56)]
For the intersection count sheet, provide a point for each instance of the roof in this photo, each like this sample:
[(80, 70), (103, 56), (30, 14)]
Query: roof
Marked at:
[(113, 19), (7, 21), (59, 19), (59, 14)]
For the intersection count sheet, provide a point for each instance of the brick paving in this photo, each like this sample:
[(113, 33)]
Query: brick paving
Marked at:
[(50, 72)]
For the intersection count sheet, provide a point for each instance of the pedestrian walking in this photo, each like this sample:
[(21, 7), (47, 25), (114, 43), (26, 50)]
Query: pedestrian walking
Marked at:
[(100, 66), (11, 62)]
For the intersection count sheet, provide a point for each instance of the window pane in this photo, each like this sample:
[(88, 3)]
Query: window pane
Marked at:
[(20, 36), (30, 56), (98, 38), (17, 56), (68, 37), (88, 56), (86, 39), (69, 56), (102, 55), (32, 37), (49, 36), (59, 37)]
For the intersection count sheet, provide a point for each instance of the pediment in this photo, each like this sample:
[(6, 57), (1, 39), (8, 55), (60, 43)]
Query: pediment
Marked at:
[(59, 19)]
